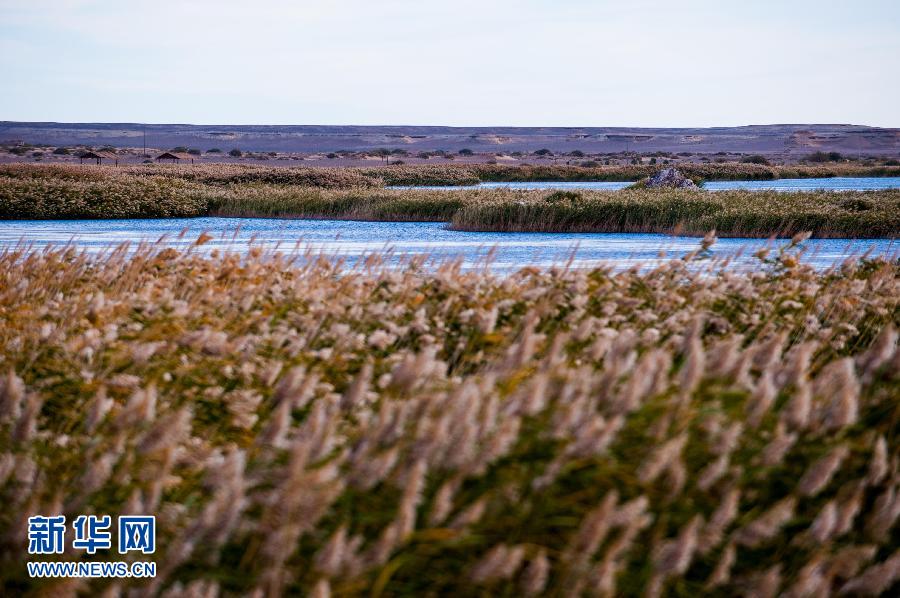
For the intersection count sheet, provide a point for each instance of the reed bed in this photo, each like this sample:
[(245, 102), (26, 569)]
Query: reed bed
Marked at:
[(733, 213), (212, 175), (427, 174), (438, 175), (360, 204), (727, 171), (50, 197), (300, 427)]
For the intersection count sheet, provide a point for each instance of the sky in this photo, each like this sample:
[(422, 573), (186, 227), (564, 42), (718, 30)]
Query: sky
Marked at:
[(460, 62)]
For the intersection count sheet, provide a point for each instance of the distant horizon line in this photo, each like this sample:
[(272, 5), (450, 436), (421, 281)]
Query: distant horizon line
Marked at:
[(434, 126)]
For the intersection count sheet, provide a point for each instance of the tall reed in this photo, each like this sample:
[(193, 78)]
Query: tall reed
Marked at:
[(300, 427)]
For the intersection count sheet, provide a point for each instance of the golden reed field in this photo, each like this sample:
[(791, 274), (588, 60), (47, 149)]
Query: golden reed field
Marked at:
[(298, 426)]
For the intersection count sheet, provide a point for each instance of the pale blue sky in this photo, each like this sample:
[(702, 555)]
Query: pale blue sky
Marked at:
[(459, 62)]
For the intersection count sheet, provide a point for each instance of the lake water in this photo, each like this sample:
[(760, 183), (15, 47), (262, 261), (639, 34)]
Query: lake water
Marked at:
[(352, 240), (827, 184)]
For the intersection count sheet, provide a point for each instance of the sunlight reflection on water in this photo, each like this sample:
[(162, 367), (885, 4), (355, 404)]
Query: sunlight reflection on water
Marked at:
[(351, 240)]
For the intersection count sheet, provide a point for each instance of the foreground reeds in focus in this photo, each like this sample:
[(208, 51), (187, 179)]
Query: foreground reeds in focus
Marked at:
[(305, 427)]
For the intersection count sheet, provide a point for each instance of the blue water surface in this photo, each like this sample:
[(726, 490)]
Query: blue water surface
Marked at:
[(351, 240)]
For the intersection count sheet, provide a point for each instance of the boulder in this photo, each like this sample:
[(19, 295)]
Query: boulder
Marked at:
[(670, 178)]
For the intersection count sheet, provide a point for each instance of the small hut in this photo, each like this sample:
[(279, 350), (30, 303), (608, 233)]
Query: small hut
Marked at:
[(175, 157), (98, 157)]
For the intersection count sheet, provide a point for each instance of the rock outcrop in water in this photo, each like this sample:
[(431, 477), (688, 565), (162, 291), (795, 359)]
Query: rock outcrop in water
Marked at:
[(670, 178)]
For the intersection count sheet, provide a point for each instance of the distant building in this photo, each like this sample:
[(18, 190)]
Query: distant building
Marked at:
[(99, 157), (175, 157)]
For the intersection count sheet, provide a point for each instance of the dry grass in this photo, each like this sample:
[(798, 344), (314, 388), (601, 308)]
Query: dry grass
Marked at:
[(303, 428)]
